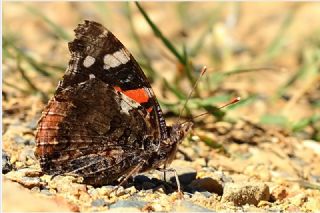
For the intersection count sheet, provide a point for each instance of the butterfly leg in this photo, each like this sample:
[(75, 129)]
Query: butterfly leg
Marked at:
[(130, 174), (164, 172), (175, 175)]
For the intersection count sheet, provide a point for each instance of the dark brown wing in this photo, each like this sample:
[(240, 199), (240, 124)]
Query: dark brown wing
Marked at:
[(98, 52), (104, 118), (94, 131)]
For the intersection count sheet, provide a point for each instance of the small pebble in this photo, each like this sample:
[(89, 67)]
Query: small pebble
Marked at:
[(98, 203), (198, 195), (104, 190), (298, 200), (245, 193), (26, 154), (187, 206), (94, 192), (73, 188), (313, 204), (131, 190), (46, 192), (206, 194), (27, 177), (35, 189), (278, 193), (120, 191), (30, 182), (131, 209), (32, 124), (20, 140), (30, 172), (6, 165), (207, 184), (129, 204)]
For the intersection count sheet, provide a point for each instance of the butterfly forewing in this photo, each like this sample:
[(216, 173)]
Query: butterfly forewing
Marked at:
[(97, 52)]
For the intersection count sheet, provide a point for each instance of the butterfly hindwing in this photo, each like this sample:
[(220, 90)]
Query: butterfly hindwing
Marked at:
[(94, 124)]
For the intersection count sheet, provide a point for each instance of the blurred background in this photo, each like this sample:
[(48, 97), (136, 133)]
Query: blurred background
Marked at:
[(266, 53)]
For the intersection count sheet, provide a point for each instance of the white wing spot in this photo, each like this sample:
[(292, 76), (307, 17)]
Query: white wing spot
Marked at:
[(115, 59), (110, 61), (91, 76), (126, 104), (88, 61), (122, 56), (106, 67)]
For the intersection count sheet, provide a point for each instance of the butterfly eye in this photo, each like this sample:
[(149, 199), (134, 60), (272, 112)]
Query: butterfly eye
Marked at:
[(186, 127)]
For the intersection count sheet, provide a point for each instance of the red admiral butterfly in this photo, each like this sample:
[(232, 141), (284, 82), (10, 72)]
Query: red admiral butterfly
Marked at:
[(104, 121)]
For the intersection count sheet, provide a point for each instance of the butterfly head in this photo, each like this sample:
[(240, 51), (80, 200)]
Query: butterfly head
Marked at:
[(179, 131)]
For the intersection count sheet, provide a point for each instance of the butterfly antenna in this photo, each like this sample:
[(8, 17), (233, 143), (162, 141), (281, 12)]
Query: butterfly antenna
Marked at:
[(232, 101), (203, 70)]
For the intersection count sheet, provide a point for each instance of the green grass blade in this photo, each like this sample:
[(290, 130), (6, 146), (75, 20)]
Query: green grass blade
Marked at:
[(188, 69), (27, 58), (277, 44), (159, 34), (15, 86), (278, 120), (25, 77), (150, 71), (309, 68), (303, 123), (32, 62), (212, 143)]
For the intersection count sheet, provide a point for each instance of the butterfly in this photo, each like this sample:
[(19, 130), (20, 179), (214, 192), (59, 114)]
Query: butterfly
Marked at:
[(104, 121)]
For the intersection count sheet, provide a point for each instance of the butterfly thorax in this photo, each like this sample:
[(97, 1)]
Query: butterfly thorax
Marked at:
[(168, 147)]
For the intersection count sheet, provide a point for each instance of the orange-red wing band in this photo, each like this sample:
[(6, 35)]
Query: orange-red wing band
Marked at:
[(139, 95)]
